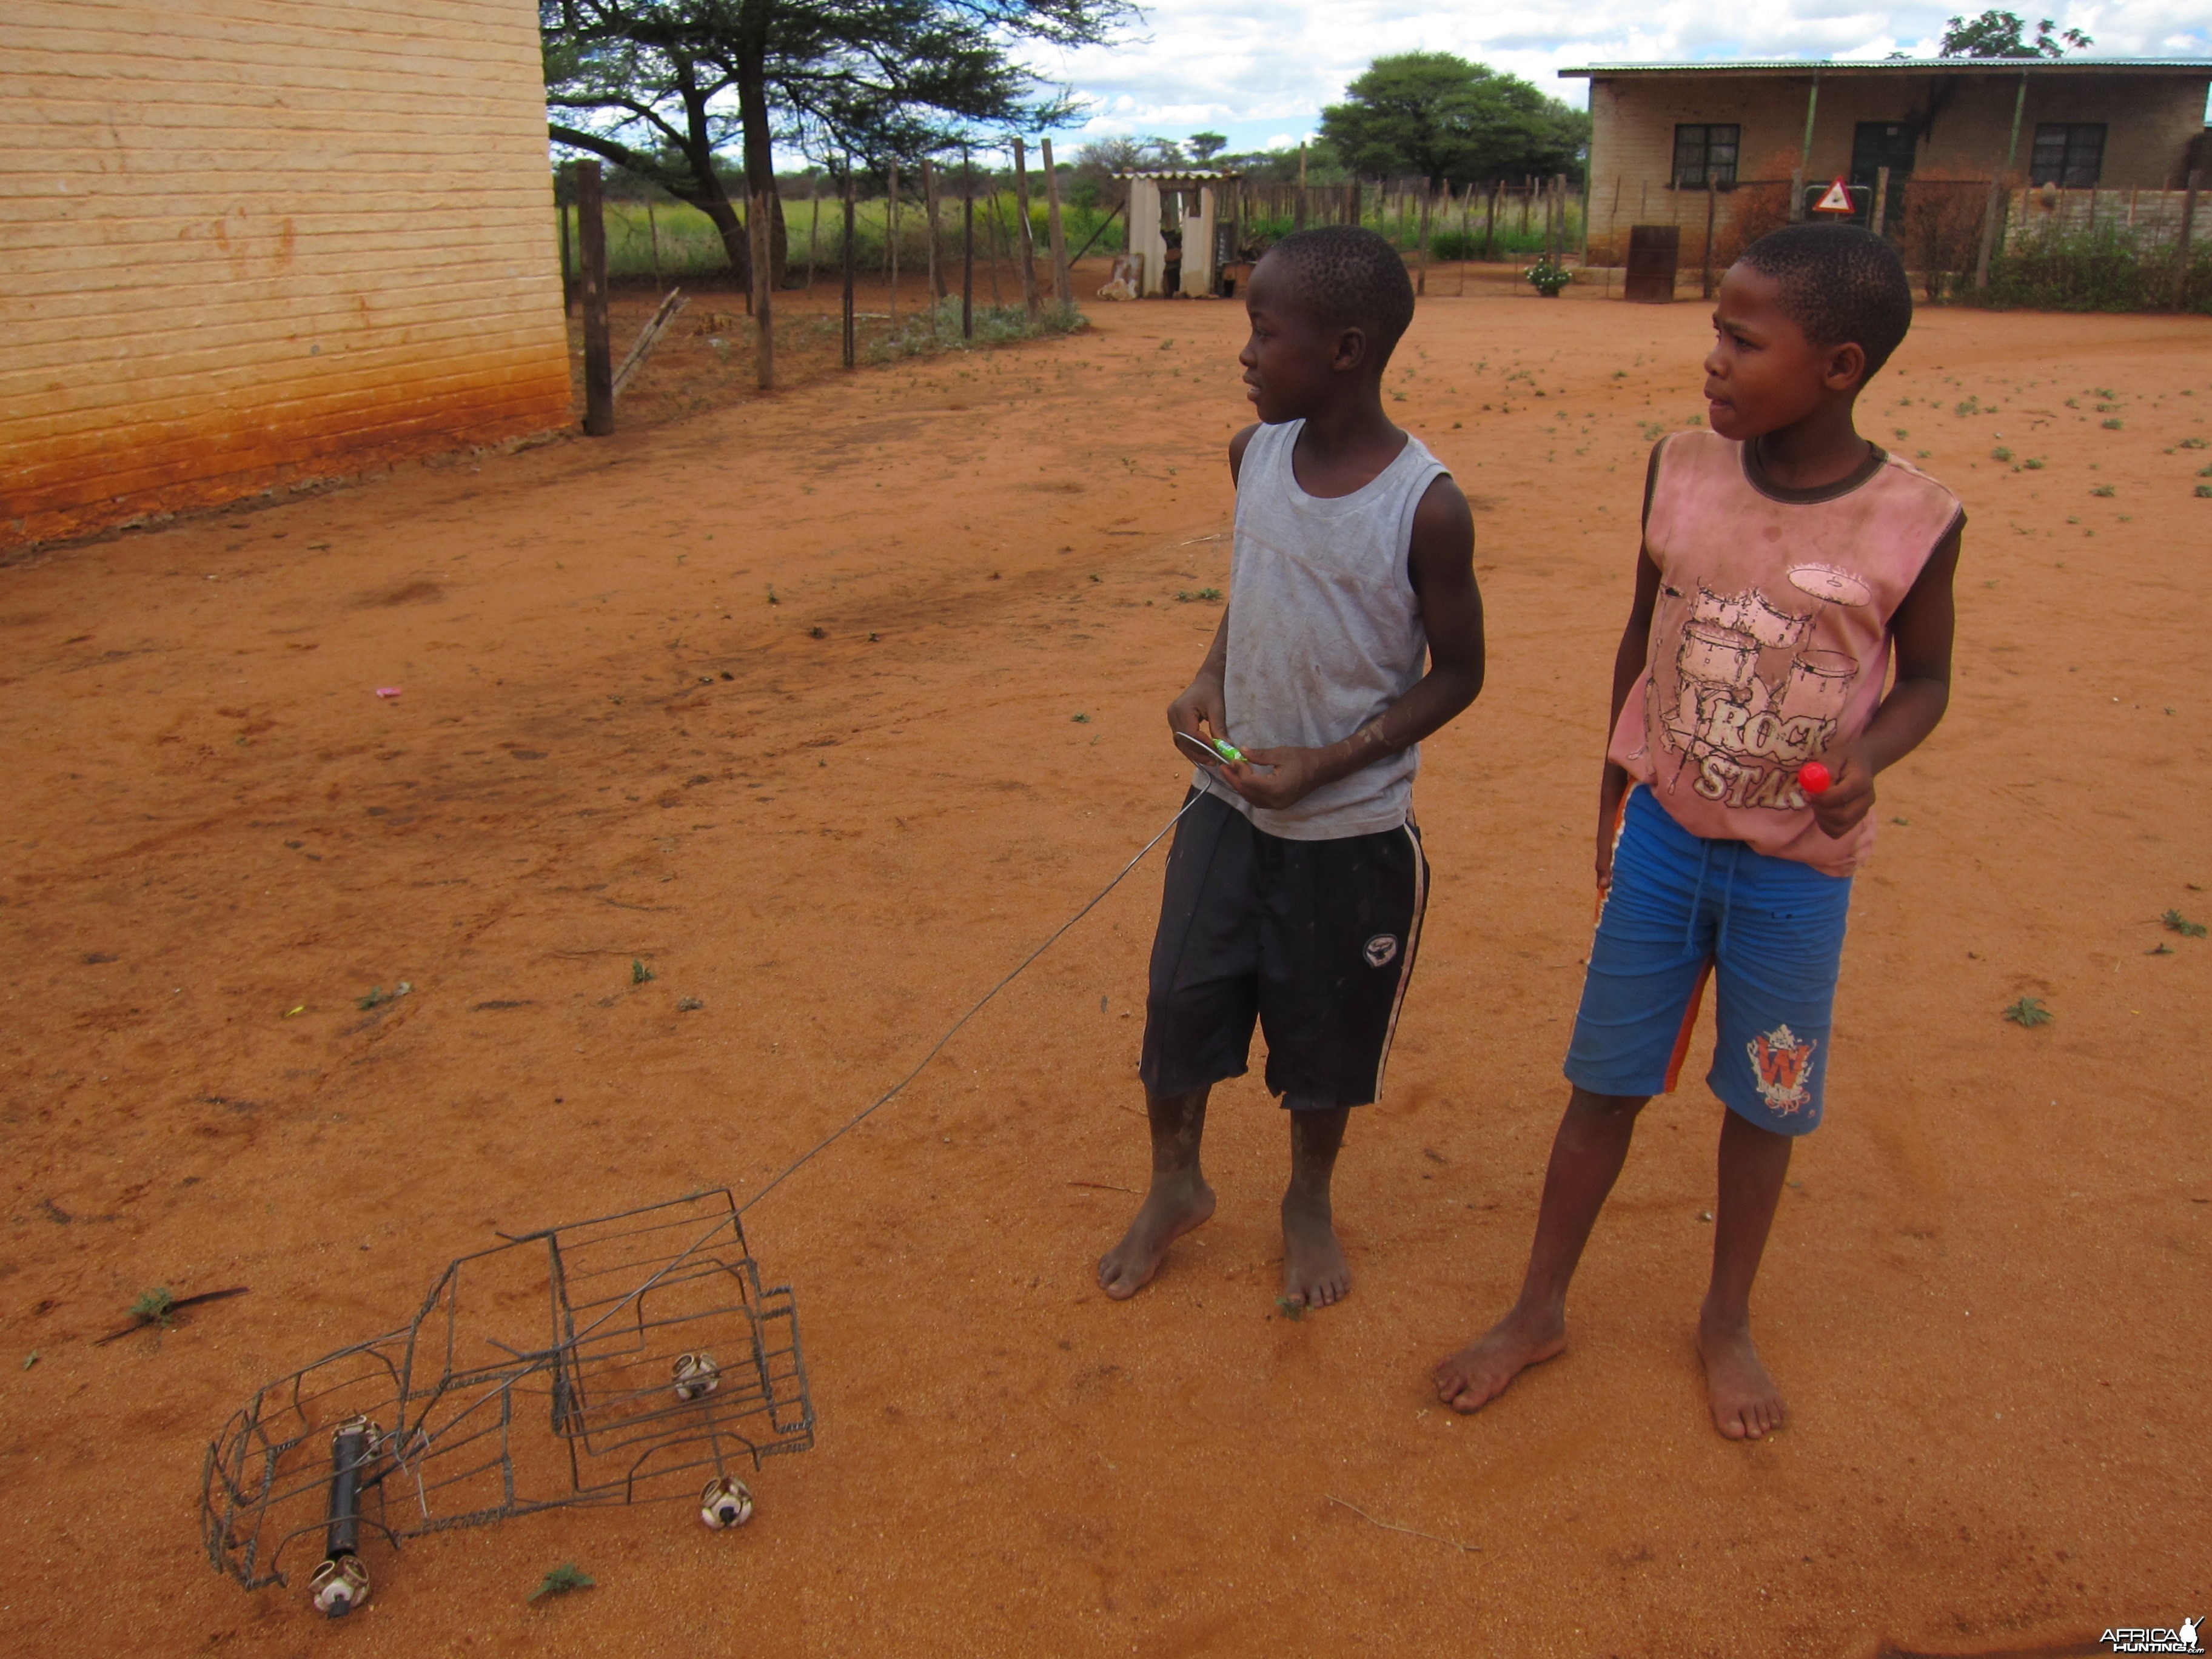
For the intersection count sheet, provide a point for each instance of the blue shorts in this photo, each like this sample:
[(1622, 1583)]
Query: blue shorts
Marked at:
[(1679, 906)]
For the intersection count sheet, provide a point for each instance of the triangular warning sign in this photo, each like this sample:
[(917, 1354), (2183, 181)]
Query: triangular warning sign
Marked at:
[(1837, 200)]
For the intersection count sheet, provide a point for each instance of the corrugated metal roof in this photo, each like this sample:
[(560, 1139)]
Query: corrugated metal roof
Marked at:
[(1900, 66)]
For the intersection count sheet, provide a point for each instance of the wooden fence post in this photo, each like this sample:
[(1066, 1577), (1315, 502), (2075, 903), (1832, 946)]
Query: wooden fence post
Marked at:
[(2188, 230), (567, 263), (653, 236), (758, 217), (891, 235), (1881, 202), (1063, 282), (598, 364), (813, 227), (1421, 282), (851, 352), (1712, 206), (967, 246), (1995, 210), (936, 265), (1025, 244), (1300, 214)]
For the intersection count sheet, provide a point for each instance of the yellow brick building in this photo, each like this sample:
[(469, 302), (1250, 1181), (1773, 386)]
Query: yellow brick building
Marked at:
[(244, 243), (1656, 131)]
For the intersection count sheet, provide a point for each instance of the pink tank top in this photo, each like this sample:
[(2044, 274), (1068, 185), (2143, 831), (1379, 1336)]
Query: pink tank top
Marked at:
[(1769, 643)]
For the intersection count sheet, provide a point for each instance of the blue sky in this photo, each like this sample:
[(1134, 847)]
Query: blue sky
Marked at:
[(1261, 72)]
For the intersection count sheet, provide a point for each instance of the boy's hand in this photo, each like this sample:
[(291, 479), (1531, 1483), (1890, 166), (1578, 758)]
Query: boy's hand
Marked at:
[(1843, 805), (1294, 774), (1199, 713)]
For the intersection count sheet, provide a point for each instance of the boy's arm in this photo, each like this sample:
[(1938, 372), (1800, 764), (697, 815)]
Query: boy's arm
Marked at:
[(1921, 634), (1200, 703), (1628, 663), (1440, 562)]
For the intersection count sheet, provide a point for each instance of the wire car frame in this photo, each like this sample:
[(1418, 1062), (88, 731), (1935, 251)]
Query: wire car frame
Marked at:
[(629, 1302)]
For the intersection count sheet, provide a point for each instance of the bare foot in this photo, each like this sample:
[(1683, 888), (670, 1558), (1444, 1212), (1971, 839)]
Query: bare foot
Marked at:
[(1477, 1374), (1746, 1403), (1176, 1205), (1315, 1273)]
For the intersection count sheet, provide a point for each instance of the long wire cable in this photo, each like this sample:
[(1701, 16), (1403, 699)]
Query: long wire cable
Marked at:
[(892, 1093)]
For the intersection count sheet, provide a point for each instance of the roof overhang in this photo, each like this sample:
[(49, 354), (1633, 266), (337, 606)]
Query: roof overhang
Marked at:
[(1171, 176), (1740, 70)]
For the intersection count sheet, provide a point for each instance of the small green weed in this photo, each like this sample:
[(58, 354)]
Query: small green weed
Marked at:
[(2177, 923), (2029, 1011), (2195, 443), (2000, 454), (2032, 464), (1080, 719), (639, 973), (377, 995), (2103, 489), (1290, 1310), (2204, 492), (559, 1581), (1188, 594), (1972, 406), (153, 1306), (2114, 424)]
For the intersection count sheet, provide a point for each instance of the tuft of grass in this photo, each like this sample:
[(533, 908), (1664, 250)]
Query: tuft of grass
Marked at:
[(2204, 492), (2114, 424), (2195, 443), (377, 995), (2029, 1011), (2000, 454), (639, 973), (2032, 464), (559, 1581), (1188, 594), (2103, 489), (1290, 1310), (153, 1306), (818, 632), (2177, 923), (1080, 719)]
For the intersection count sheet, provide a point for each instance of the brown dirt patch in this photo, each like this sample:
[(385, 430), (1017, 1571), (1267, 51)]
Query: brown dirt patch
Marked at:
[(1985, 1297)]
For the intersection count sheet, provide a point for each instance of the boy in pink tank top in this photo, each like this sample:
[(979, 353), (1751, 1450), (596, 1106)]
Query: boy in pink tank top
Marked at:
[(1788, 565)]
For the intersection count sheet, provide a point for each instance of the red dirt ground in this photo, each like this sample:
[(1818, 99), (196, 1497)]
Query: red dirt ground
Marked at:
[(1986, 1296)]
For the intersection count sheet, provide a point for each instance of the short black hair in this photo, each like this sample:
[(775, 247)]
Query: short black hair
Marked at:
[(1840, 284), (1354, 278)]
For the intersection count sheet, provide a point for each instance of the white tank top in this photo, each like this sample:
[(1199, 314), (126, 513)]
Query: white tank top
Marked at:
[(1324, 629)]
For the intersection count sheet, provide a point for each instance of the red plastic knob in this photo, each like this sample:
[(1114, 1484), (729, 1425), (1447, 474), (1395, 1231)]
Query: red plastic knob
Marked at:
[(1812, 778)]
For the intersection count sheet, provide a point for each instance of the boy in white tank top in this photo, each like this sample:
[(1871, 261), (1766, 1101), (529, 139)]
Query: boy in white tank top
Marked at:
[(1295, 891), (1787, 564)]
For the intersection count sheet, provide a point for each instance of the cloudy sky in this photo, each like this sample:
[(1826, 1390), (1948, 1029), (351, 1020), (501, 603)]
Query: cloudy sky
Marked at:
[(1260, 70)]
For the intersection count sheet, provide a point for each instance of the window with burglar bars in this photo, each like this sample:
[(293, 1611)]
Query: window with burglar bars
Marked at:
[(1702, 151), (2070, 155)]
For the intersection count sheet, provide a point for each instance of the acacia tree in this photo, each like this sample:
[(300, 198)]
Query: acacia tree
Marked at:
[(663, 87), (2003, 34), (1449, 121)]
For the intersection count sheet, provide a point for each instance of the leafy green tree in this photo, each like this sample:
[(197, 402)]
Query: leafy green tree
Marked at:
[(664, 87), (1449, 121), (1206, 145), (2003, 34)]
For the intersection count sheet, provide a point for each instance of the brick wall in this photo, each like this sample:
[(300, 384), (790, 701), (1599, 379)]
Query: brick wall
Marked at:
[(2150, 121), (248, 241)]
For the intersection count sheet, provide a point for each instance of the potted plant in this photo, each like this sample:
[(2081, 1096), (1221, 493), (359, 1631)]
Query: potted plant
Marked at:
[(1548, 278)]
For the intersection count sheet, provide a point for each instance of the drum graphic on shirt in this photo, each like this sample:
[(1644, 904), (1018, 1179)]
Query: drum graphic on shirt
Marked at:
[(1716, 664), (1819, 685), (1777, 630)]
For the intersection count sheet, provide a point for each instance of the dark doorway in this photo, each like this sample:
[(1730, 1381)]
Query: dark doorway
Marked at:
[(1876, 145)]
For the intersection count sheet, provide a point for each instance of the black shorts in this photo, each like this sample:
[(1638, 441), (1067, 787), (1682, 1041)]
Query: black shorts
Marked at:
[(1314, 938)]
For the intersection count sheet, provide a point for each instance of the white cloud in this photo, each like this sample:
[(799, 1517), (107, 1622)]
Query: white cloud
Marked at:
[(1262, 73)]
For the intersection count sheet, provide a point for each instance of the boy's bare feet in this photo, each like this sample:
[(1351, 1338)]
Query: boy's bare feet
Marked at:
[(1177, 1203), (1746, 1403), (1314, 1270), (1470, 1379)]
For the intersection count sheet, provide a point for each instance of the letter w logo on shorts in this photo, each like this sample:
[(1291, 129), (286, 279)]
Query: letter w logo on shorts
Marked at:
[(1784, 1065), (1380, 950)]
